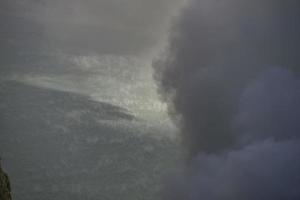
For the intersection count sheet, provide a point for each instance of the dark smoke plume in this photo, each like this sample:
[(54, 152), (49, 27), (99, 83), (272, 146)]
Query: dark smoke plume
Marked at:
[(231, 78)]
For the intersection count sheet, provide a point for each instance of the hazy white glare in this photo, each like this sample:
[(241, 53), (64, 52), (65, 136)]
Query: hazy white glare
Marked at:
[(125, 81)]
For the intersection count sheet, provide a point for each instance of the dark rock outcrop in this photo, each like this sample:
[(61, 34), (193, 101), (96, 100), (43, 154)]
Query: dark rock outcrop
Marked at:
[(5, 189)]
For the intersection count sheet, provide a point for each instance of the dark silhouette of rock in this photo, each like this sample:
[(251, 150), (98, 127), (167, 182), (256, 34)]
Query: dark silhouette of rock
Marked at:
[(5, 189)]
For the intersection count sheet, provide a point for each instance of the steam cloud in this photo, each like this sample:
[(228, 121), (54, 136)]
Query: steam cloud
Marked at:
[(231, 77)]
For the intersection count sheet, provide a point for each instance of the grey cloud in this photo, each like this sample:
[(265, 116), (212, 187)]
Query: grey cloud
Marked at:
[(269, 108), (215, 50), (264, 170), (231, 78)]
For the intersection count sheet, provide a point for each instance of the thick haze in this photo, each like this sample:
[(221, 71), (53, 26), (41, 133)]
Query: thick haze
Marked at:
[(82, 27), (80, 114), (79, 106), (231, 77), (102, 48)]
